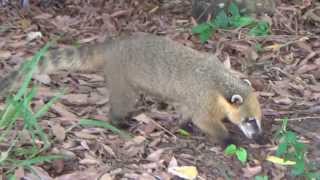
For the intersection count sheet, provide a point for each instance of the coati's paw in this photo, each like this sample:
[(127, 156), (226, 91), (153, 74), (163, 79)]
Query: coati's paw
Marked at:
[(119, 121)]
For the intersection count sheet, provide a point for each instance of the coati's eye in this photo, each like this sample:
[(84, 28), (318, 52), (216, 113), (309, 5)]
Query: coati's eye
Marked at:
[(247, 81), (236, 99)]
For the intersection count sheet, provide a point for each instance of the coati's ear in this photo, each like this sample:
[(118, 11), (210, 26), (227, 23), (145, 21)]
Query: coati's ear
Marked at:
[(248, 82), (236, 99)]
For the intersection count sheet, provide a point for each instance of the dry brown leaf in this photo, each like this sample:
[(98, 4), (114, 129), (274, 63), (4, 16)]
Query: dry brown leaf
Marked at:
[(79, 175), (106, 177), (58, 165), (19, 173), (89, 161), (155, 156), (43, 78), (84, 135), (173, 162), (143, 118), (282, 100), (249, 172), (62, 111), (43, 16), (59, 132), (75, 99), (38, 172), (4, 55), (109, 150)]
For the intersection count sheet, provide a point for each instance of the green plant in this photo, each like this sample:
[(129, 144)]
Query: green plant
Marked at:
[(18, 111), (261, 178), (291, 149), (230, 20), (239, 152)]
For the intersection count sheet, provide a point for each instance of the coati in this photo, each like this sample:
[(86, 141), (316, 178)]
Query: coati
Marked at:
[(198, 83)]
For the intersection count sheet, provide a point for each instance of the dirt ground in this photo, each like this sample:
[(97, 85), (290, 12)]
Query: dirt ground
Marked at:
[(286, 74)]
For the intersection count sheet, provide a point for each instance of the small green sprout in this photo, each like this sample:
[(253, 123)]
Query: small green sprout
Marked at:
[(239, 152)]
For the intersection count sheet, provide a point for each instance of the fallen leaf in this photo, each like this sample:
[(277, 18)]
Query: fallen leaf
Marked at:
[(143, 118), (89, 161), (59, 132), (62, 111), (173, 162), (79, 175), (155, 156), (109, 150), (249, 172), (43, 78), (106, 177), (34, 35), (84, 135), (75, 99), (38, 173), (4, 55), (277, 160), (186, 172)]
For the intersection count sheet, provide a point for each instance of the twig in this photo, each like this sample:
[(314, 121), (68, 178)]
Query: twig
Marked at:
[(166, 130), (299, 119), (311, 135)]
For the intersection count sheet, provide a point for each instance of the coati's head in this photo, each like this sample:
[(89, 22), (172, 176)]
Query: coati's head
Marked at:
[(245, 112)]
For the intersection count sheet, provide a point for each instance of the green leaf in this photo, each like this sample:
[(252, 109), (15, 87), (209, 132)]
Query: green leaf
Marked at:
[(11, 177), (291, 137), (204, 31), (234, 10), (241, 21), (282, 149), (298, 168), (261, 178), (299, 147), (258, 47), (201, 28), (221, 20), (205, 36), (183, 132), (230, 150), (242, 155), (261, 29)]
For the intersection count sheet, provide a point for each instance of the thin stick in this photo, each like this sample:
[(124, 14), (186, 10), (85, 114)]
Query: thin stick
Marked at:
[(300, 118)]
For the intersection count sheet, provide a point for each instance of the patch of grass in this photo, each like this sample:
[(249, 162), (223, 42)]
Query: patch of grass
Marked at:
[(18, 112), (230, 20), (290, 148), (239, 152)]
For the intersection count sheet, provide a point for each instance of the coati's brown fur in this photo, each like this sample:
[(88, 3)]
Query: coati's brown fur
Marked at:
[(197, 82)]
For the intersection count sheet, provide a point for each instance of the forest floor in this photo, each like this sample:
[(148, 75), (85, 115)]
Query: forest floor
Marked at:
[(286, 74)]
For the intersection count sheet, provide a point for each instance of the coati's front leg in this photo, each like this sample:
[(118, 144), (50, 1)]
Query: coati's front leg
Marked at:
[(122, 100)]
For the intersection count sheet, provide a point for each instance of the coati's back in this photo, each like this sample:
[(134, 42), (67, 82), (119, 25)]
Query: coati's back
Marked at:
[(202, 87)]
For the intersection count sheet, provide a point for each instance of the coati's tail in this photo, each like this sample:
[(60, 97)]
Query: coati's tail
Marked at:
[(84, 58)]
